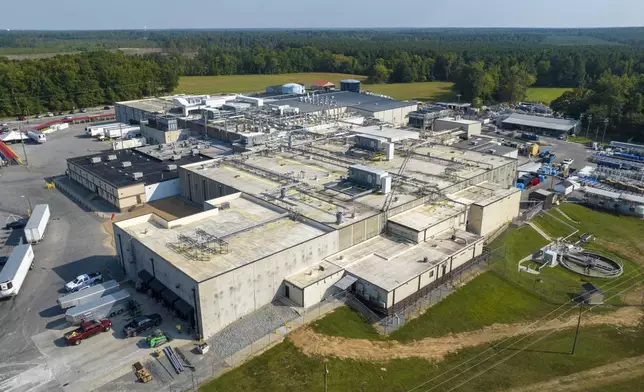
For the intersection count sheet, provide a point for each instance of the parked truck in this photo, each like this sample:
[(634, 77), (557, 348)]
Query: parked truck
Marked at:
[(83, 281), (35, 228), (37, 136), (530, 136), (15, 270), (86, 330), (86, 296), (120, 132), (107, 306), (95, 130)]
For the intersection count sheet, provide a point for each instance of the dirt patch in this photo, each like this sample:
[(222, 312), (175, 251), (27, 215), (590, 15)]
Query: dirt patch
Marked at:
[(314, 344), (590, 379)]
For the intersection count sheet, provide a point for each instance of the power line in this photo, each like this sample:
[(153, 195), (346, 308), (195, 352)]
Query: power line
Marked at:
[(523, 349), (511, 337), (521, 339)]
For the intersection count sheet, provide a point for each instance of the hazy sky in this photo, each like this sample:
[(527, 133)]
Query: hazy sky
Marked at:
[(163, 14)]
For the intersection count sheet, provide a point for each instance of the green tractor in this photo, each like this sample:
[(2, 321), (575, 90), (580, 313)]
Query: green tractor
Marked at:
[(157, 339)]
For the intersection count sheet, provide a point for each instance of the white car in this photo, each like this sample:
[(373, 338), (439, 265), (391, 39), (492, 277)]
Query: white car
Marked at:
[(568, 161), (50, 114), (84, 281)]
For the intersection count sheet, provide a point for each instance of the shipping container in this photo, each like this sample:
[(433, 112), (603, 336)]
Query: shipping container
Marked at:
[(15, 270), (107, 306), (88, 295), (35, 228)]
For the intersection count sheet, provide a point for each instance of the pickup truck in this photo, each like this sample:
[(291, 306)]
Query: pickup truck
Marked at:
[(141, 324), (86, 330), (84, 281)]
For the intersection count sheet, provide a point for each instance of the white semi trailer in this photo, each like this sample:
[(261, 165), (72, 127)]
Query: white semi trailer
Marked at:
[(14, 272), (107, 306), (88, 295), (37, 223)]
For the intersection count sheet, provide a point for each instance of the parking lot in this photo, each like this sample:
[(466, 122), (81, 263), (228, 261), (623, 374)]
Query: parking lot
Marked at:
[(32, 357)]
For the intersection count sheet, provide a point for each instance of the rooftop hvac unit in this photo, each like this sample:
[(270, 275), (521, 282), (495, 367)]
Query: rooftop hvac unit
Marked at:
[(111, 157), (171, 167), (137, 175), (95, 159), (176, 157), (195, 152), (126, 164)]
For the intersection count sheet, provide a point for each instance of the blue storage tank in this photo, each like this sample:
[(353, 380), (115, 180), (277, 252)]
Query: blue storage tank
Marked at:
[(350, 85), (293, 88)]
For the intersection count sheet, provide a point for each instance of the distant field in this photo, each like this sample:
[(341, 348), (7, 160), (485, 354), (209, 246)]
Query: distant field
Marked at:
[(424, 91), (545, 94), (249, 83)]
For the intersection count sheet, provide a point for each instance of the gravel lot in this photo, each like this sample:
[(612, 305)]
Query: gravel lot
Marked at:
[(251, 328)]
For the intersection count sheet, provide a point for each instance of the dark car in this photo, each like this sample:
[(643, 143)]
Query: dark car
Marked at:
[(106, 108), (83, 110), (142, 324), (17, 224)]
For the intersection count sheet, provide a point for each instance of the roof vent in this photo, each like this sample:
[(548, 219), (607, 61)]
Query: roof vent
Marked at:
[(171, 167), (195, 151), (111, 157), (95, 159), (176, 157), (126, 164), (137, 175)]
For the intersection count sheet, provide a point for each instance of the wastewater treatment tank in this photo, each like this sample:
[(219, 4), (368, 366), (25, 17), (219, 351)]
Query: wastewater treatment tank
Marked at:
[(591, 265)]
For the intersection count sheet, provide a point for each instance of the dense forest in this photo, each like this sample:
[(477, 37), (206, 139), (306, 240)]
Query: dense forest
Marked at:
[(486, 65)]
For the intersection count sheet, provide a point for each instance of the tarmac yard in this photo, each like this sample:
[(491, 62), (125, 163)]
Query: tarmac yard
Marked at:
[(106, 356)]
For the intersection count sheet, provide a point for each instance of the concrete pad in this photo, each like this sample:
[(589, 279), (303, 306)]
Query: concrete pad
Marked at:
[(106, 356)]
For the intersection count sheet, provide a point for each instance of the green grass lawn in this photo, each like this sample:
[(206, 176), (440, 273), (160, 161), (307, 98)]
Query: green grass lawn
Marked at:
[(285, 368), (346, 322), (545, 94), (425, 91), (251, 83), (553, 227), (422, 91)]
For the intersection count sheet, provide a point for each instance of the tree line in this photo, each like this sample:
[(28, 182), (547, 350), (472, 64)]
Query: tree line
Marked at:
[(81, 80)]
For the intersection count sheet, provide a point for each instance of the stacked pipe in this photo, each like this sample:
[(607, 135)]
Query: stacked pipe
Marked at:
[(174, 360)]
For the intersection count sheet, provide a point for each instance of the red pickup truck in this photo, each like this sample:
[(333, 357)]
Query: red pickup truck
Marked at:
[(86, 330)]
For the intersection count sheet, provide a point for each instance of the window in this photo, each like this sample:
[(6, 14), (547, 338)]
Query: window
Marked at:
[(431, 274)]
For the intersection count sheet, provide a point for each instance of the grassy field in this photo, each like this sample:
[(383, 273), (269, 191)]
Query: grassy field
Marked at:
[(425, 91), (285, 368), (553, 227), (545, 94), (250, 83), (346, 322)]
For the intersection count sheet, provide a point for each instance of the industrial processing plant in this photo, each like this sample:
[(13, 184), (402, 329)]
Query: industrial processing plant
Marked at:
[(312, 205)]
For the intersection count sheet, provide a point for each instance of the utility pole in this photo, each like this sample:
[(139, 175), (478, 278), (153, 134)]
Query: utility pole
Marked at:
[(606, 120), (597, 134), (590, 117), (574, 344), (326, 373), (22, 141)]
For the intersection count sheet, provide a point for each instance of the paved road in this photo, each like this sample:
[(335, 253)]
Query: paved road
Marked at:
[(74, 243), (31, 120)]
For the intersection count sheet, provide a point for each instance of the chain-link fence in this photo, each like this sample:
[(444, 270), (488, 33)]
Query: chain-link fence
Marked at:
[(440, 289)]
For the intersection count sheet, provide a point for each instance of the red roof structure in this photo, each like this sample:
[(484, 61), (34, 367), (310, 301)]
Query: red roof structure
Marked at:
[(322, 84), (8, 154)]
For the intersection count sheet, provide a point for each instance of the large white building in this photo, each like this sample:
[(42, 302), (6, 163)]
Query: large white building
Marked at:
[(296, 224)]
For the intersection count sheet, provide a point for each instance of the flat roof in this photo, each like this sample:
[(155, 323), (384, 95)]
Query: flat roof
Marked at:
[(252, 229), (601, 192), (313, 274), (111, 171), (556, 124), (390, 270), (458, 120), (428, 215), (387, 133), (360, 101), (482, 194), (160, 104)]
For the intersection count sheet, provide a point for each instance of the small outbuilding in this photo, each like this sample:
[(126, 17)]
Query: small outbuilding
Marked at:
[(564, 188), (544, 196), (591, 294)]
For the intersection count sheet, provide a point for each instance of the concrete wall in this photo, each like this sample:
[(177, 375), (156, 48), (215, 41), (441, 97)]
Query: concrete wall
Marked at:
[(504, 175), (319, 290), (405, 290), (486, 219), (405, 232), (156, 136), (229, 296), (396, 117), (162, 190), (373, 293)]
